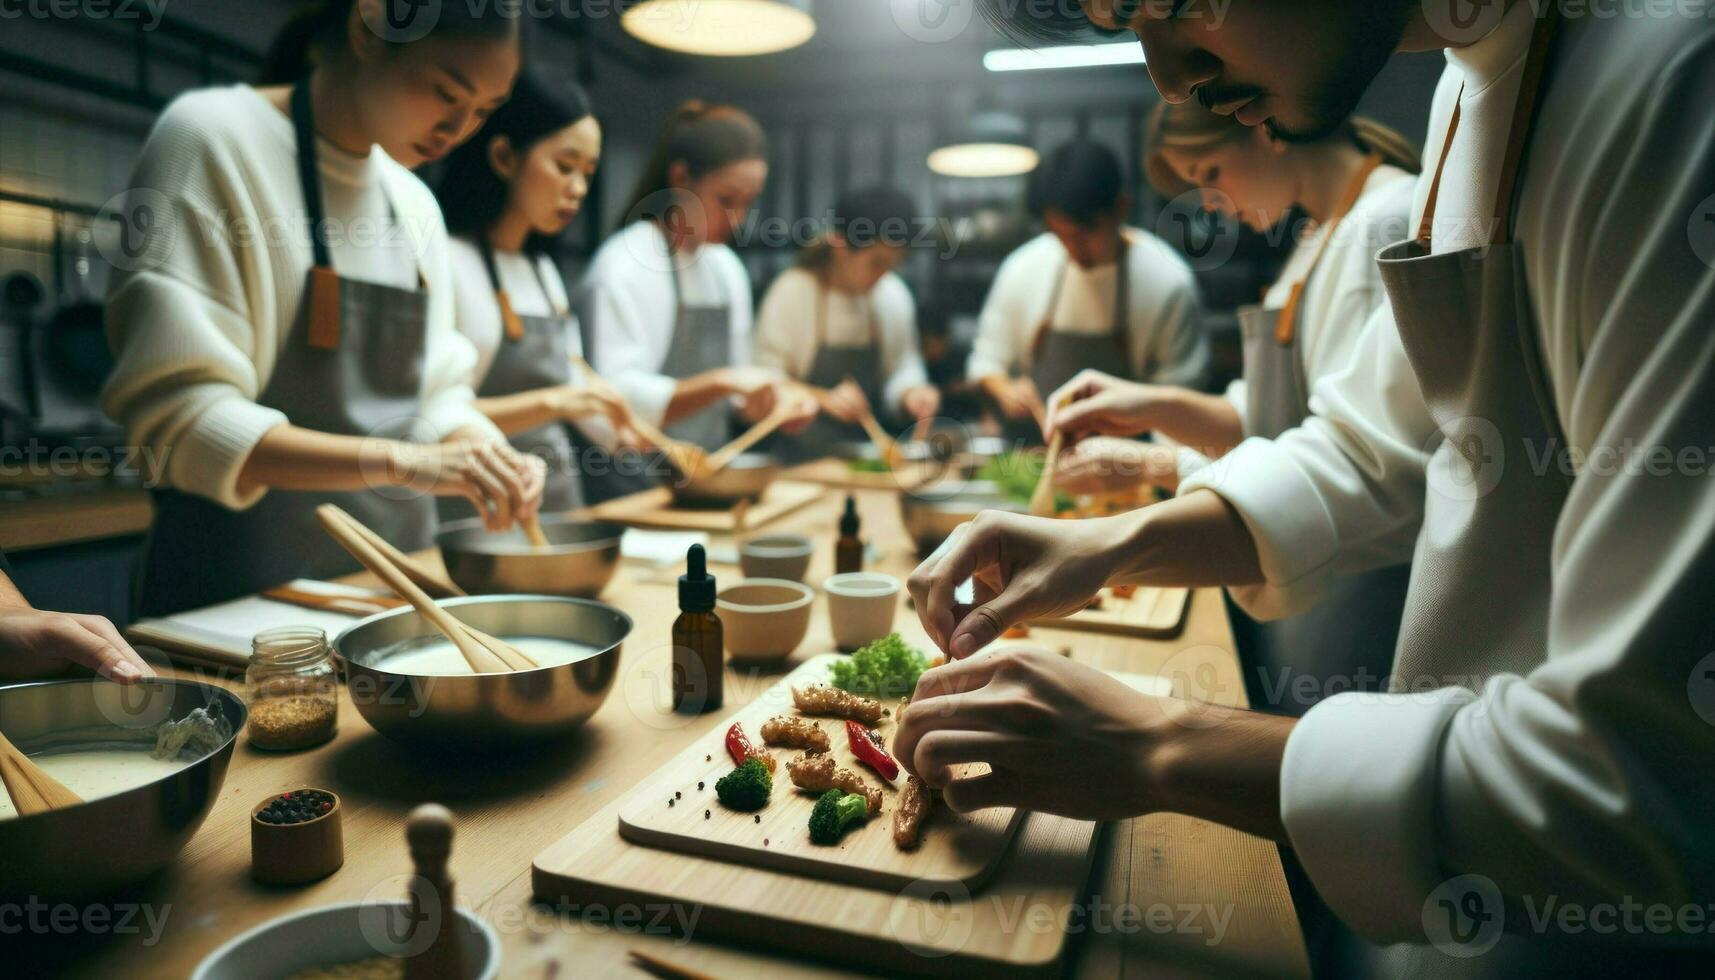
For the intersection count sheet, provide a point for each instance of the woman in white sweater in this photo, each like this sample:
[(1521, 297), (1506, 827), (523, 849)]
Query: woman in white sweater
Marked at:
[(841, 320), (508, 194), (286, 338), (1355, 185)]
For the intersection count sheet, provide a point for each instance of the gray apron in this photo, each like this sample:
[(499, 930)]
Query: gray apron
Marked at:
[(534, 353), (701, 341), (832, 365), (1346, 641), (359, 373), (1057, 356)]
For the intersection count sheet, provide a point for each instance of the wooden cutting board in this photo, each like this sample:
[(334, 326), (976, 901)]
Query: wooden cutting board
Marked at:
[(834, 472), (1148, 612), (955, 848), (654, 508)]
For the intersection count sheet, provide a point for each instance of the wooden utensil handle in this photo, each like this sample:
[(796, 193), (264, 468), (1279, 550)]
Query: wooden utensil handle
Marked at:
[(722, 457), (645, 428), (31, 789), (433, 585)]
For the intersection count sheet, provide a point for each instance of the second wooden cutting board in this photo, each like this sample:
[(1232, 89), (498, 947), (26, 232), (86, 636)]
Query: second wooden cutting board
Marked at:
[(966, 849)]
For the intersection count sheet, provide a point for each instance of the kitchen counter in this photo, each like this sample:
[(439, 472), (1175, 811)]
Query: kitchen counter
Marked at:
[(507, 813), (74, 515)]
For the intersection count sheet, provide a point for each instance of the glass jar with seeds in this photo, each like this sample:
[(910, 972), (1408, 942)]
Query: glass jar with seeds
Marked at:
[(293, 690)]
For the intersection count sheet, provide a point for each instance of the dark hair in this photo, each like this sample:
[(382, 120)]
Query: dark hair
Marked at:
[(472, 195), (1054, 22), (1081, 179), (705, 138), (864, 217), (317, 27)]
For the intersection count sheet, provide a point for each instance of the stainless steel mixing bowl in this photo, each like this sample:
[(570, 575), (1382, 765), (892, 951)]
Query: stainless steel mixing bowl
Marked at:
[(745, 478), (481, 709), (95, 848), (931, 513), (580, 561)]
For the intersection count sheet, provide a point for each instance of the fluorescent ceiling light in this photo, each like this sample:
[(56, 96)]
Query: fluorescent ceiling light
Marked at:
[(721, 28), (983, 160), (1067, 56)]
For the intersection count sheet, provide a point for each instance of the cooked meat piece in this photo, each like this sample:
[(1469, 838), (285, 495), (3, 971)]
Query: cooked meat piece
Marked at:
[(819, 699), (818, 774), (798, 733), (914, 804)]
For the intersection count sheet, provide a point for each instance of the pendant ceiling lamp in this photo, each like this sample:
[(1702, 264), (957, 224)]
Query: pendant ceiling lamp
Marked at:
[(721, 28), (991, 144)]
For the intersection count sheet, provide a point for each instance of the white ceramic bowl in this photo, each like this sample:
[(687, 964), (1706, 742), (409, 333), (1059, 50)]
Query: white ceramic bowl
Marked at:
[(861, 607), (336, 934), (776, 556), (764, 619)]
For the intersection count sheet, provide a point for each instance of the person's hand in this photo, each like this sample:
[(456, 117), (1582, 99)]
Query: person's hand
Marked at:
[(800, 407), (757, 389), (1101, 404), (1058, 737), (574, 402), (1022, 568), (847, 402), (921, 401), (1103, 465), (34, 643), (1017, 397), (503, 484)]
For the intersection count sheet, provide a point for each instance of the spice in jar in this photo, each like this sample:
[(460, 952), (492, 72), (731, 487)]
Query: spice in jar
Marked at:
[(294, 695)]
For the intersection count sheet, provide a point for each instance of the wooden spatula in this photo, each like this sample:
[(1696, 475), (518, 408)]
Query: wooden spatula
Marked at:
[(721, 458), (884, 444), (1042, 499), (685, 455), (484, 653), (31, 789)]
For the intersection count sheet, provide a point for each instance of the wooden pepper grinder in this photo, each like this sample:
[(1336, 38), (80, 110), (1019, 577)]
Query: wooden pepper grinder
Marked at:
[(429, 831)]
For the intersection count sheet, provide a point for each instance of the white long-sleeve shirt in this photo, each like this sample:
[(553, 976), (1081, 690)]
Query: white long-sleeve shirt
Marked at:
[(1585, 779), (1167, 343), (786, 329), (197, 324), (626, 301), (1346, 286), (523, 278)]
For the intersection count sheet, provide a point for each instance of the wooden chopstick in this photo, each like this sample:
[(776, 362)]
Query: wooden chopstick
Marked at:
[(437, 586), (32, 790), (1042, 498), (721, 458), (663, 968), (351, 605), (533, 531)]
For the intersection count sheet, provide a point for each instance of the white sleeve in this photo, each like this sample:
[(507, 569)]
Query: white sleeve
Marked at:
[(181, 324), (995, 350), (1340, 494), (901, 355), (1580, 779), (782, 328), (1173, 349), (476, 312), (1238, 395), (616, 313)]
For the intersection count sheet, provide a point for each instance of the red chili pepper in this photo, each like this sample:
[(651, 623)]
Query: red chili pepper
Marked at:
[(738, 745), (866, 745)]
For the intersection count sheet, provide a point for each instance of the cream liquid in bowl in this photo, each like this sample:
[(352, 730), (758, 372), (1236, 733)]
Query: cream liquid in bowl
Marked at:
[(100, 771), (436, 656)]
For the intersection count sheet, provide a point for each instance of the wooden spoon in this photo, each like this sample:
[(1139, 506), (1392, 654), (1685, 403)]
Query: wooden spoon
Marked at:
[(437, 586), (685, 455), (485, 654), (31, 789), (533, 531), (721, 458), (1042, 498), (891, 454)]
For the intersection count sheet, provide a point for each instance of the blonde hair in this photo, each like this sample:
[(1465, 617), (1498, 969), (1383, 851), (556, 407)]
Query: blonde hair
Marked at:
[(705, 138), (1189, 126)]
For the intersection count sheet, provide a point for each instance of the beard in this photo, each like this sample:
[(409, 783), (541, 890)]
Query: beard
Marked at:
[(1334, 96)]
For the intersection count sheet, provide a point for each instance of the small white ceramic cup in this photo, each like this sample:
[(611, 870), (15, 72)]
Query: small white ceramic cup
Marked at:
[(861, 607), (776, 556)]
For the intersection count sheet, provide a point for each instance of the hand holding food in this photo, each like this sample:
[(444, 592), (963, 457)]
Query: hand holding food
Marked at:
[(1105, 465), (1058, 737), (1024, 568), (818, 699)]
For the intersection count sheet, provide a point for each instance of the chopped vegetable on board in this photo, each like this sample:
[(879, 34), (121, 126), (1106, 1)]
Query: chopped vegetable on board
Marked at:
[(866, 746), (836, 811), (887, 668)]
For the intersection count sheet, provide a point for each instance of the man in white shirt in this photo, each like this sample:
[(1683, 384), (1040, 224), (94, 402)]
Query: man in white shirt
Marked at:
[(1058, 304), (1546, 741)]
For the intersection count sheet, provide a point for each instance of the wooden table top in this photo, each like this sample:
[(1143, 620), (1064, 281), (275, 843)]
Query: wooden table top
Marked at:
[(1169, 894)]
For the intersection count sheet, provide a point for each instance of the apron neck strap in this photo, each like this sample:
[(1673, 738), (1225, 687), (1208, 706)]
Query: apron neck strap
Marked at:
[(1286, 326), (509, 319), (309, 172), (1518, 134)]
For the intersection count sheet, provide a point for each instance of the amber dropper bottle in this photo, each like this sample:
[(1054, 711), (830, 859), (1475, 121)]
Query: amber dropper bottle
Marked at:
[(848, 553), (697, 640)]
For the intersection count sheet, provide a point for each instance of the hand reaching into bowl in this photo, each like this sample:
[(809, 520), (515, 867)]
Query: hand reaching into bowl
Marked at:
[(36, 643)]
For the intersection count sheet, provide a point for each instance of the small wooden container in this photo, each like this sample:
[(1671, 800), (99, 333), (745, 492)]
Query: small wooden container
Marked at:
[(296, 853)]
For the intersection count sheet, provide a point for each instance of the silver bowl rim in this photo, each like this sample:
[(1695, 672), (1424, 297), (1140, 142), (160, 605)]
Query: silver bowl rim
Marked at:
[(625, 617), (450, 528), (231, 699)]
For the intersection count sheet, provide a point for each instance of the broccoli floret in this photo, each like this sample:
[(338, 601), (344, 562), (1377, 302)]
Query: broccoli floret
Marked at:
[(834, 812), (887, 668), (745, 788)]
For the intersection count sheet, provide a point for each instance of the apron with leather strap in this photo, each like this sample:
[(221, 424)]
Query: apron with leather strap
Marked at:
[(833, 364), (1056, 356), (1349, 636), (535, 353), (701, 341), (352, 365)]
